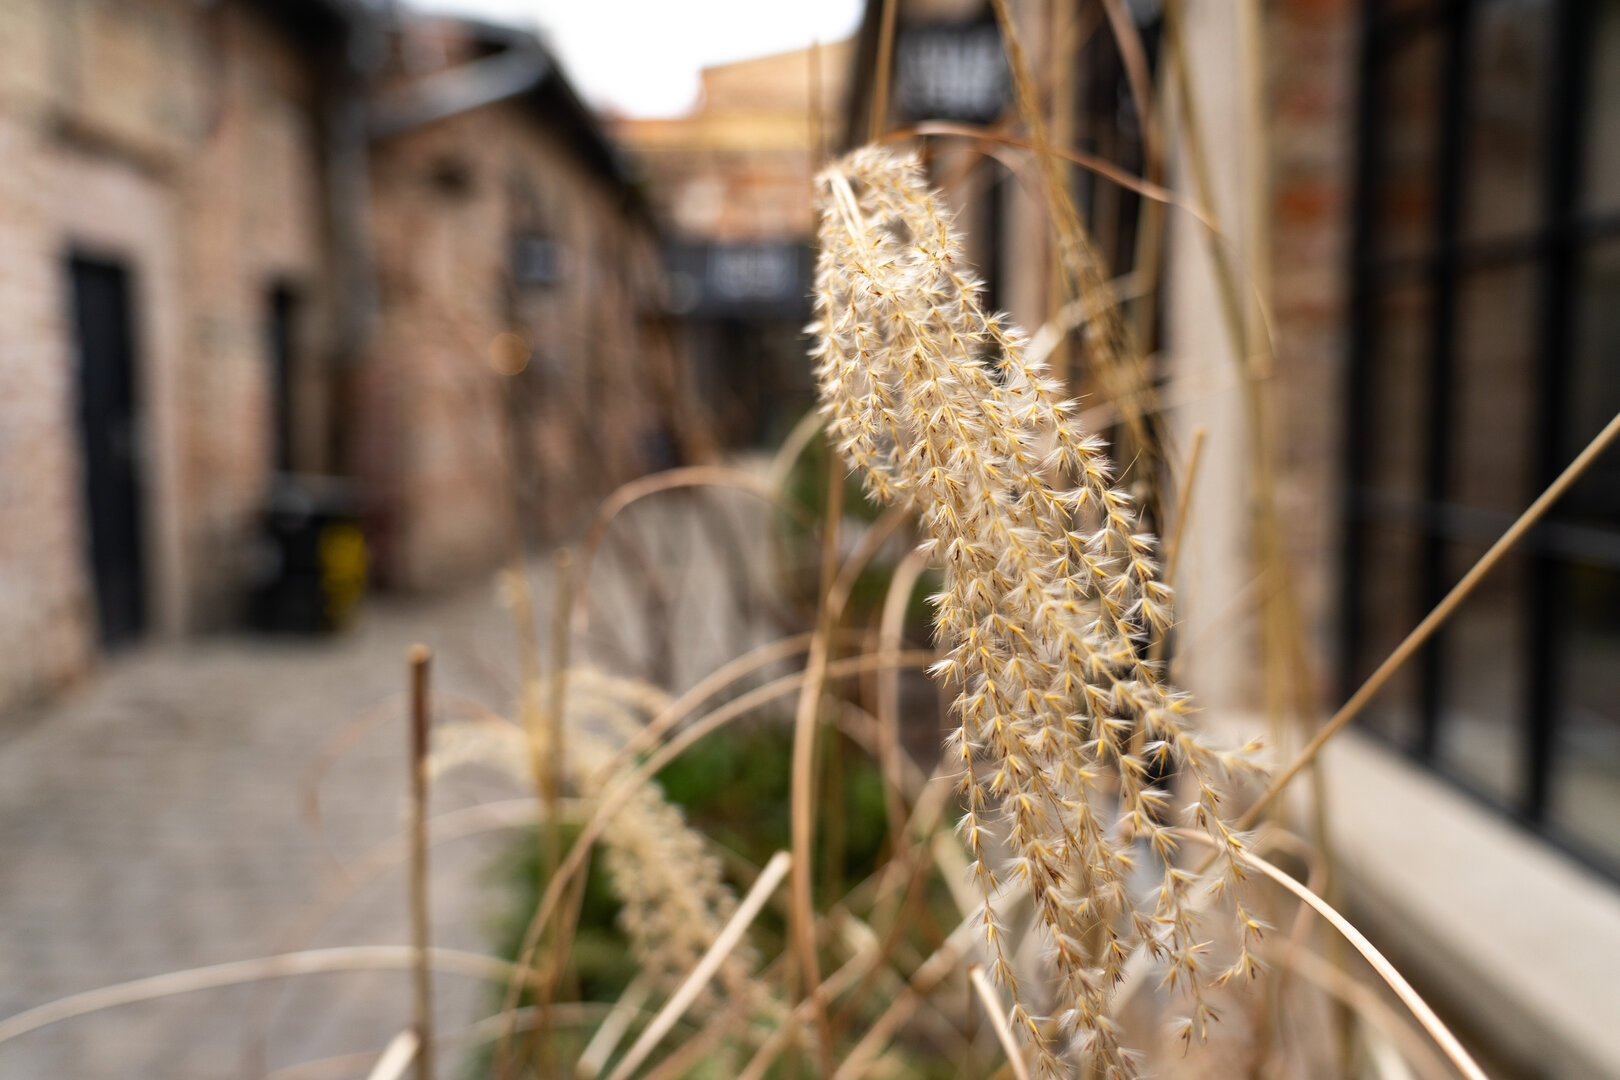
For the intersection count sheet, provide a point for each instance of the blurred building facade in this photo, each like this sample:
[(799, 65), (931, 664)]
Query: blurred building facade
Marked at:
[(1417, 204), (523, 363), (255, 240), (164, 211), (730, 183)]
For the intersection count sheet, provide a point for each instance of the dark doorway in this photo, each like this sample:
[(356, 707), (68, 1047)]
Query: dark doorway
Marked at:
[(108, 433), (283, 337)]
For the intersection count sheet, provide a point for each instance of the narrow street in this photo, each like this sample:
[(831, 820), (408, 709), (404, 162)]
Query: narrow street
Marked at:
[(160, 816)]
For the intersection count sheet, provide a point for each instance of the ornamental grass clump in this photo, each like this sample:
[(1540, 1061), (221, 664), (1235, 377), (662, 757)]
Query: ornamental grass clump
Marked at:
[(665, 873), (1050, 597)]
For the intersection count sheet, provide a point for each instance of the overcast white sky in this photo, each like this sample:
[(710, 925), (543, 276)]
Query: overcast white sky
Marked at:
[(642, 57)]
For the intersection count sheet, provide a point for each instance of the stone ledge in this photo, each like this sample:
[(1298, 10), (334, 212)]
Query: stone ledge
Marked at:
[(1517, 941)]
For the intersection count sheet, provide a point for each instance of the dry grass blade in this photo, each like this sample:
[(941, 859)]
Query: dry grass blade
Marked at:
[(802, 781), (422, 982), (923, 982), (690, 476), (577, 855), (853, 970), (332, 750), (885, 64), (710, 685), (1436, 1027), (606, 1038), (1436, 618), (1101, 166), (347, 1066), (684, 1059), (551, 775), (238, 972), (1189, 477), (998, 1021), (769, 878), (891, 627), (793, 447), (1110, 348), (1138, 73), (1417, 1053), (378, 860), (397, 1056)]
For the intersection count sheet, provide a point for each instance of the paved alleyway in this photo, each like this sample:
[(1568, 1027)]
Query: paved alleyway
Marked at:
[(152, 820)]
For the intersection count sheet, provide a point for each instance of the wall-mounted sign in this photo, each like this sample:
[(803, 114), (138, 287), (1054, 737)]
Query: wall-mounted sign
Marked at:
[(950, 71), (742, 280)]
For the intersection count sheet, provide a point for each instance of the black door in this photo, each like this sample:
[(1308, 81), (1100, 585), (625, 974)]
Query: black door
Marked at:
[(108, 438)]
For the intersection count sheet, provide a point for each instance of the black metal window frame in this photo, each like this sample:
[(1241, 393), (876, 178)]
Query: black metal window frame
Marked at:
[(1553, 246)]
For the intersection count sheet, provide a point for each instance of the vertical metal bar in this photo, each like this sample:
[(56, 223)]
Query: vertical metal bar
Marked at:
[(1547, 601), (1362, 341), (1451, 177)]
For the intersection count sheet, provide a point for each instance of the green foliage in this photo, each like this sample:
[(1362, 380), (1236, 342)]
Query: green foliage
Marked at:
[(601, 953), (732, 787)]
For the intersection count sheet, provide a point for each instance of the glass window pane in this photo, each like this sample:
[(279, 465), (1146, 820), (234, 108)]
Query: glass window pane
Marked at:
[(1398, 399), (1408, 124), (1493, 407), (1389, 610), (1484, 678), (1585, 783), (1507, 96), (1595, 386), (1584, 795), (1601, 182)]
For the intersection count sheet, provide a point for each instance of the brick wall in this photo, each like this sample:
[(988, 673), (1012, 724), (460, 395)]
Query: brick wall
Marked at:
[(1310, 93), (738, 167), (452, 445), (179, 143)]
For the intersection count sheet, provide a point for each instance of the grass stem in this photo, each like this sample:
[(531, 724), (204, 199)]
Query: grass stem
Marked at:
[(397, 1056), (421, 718), (998, 1021), (1436, 618), (747, 911)]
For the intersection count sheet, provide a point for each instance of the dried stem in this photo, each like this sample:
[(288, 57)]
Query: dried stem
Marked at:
[(627, 783), (606, 1037), (238, 972), (1368, 1002), (885, 64), (1189, 477), (1396, 981), (998, 1021), (421, 717), (397, 1056), (635, 490), (769, 878), (1436, 618), (891, 627), (1110, 347)]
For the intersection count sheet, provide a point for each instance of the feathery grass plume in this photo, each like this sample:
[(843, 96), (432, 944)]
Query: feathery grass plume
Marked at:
[(1048, 597), (668, 879)]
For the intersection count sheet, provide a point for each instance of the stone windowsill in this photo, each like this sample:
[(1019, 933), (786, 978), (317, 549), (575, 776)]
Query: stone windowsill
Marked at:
[(1518, 942)]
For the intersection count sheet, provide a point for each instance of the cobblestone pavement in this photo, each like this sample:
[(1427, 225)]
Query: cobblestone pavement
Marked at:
[(158, 819)]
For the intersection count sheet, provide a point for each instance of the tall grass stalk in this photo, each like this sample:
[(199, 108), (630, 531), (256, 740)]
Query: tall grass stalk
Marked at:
[(420, 720), (933, 401)]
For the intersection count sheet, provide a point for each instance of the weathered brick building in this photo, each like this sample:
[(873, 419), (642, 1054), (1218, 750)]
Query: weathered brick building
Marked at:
[(522, 362), (730, 183), (253, 238), (162, 209)]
